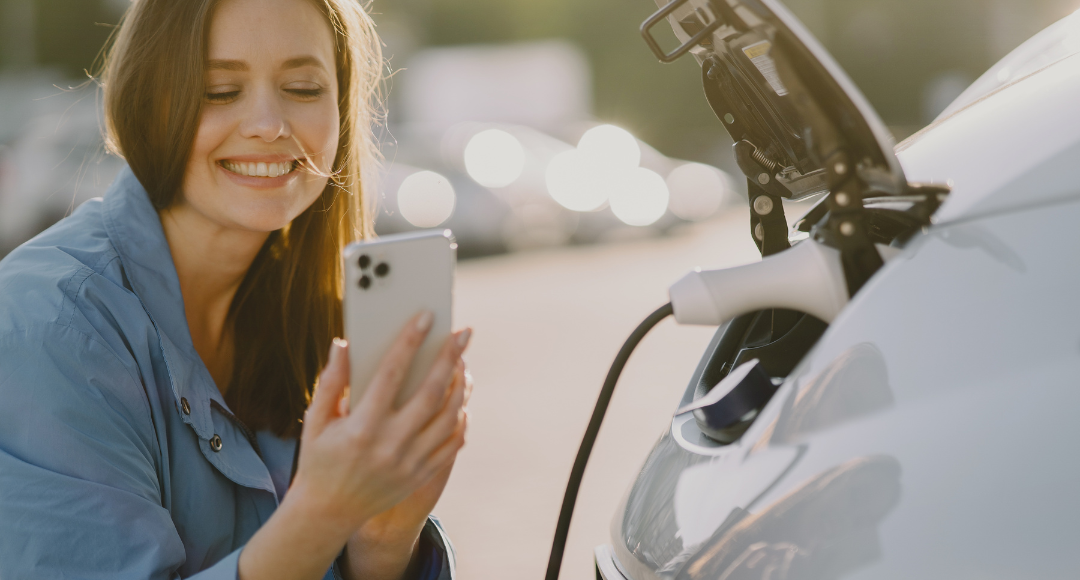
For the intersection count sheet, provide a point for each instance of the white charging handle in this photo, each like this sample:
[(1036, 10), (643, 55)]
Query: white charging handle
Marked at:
[(808, 277)]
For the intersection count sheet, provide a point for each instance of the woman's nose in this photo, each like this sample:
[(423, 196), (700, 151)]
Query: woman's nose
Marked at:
[(267, 119)]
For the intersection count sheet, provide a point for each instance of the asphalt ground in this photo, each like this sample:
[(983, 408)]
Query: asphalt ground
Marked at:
[(547, 326)]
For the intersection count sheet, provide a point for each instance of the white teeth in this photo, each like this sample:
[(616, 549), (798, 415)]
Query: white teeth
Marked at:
[(259, 169)]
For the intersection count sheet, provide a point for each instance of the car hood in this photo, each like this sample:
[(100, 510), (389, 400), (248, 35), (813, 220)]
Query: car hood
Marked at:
[(1011, 140), (1055, 42), (780, 93)]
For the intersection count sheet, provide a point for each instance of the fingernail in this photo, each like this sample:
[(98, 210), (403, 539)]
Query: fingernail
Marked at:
[(336, 349), (463, 338), (424, 322)]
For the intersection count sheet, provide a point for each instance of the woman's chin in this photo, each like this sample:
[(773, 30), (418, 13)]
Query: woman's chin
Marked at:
[(262, 213), (255, 209), (265, 217)]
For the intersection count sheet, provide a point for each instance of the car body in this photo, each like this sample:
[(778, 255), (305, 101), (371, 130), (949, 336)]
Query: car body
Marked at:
[(929, 432)]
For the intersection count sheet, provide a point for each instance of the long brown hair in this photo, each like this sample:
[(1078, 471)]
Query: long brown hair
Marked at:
[(288, 307)]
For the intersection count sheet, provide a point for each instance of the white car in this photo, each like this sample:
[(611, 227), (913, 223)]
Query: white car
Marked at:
[(930, 429)]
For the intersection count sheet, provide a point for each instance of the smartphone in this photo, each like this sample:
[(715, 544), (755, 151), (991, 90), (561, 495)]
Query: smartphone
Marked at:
[(389, 280)]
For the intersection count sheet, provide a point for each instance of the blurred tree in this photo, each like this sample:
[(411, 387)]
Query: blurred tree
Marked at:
[(662, 104), (70, 33), (17, 34), (905, 55), (64, 35)]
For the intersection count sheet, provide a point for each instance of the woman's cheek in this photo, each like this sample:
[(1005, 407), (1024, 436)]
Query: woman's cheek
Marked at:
[(321, 129), (212, 131)]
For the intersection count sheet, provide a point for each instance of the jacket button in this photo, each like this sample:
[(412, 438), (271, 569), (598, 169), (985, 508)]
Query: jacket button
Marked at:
[(215, 443), (185, 406)]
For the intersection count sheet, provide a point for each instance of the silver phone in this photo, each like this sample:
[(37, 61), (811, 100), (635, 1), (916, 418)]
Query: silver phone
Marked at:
[(389, 280)]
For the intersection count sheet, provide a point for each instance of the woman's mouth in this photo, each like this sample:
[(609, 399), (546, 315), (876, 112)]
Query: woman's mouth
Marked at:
[(260, 169)]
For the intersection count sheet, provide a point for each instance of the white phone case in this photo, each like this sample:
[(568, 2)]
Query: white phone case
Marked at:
[(387, 281)]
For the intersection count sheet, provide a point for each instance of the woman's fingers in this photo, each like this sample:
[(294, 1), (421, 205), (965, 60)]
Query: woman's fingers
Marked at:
[(429, 397), (467, 377), (378, 399), (458, 378), (435, 433), (332, 382), (445, 455), (343, 403)]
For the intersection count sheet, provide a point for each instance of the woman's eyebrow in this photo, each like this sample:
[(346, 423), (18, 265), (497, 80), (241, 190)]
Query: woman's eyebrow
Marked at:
[(239, 65), (234, 65), (299, 61)]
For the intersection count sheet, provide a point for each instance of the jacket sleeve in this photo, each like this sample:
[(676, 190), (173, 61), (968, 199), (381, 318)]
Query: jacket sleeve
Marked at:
[(442, 560), (80, 492), (439, 559)]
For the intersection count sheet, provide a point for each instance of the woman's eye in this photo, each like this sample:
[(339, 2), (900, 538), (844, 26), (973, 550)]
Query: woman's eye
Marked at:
[(222, 97), (306, 93)]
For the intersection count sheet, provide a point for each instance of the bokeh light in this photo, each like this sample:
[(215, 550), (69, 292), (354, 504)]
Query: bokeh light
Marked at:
[(610, 147), (575, 183), (494, 158), (640, 198), (426, 199), (583, 179), (697, 190)]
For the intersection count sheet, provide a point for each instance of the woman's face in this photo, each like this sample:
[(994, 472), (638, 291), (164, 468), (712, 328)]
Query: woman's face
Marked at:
[(271, 99)]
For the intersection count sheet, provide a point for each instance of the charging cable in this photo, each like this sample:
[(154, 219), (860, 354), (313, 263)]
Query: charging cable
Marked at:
[(558, 545)]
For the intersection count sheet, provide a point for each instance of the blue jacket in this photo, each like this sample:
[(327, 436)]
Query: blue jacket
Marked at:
[(107, 415)]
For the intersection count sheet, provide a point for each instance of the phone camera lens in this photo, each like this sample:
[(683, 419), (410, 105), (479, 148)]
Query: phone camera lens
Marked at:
[(365, 261), (382, 269), (365, 282)]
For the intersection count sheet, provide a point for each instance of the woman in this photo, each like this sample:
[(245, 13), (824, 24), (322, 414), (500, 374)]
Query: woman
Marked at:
[(159, 347)]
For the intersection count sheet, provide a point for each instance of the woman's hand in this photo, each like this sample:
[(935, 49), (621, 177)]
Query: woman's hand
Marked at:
[(384, 546), (355, 465)]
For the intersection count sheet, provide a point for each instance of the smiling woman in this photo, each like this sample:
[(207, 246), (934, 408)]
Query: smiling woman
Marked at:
[(159, 348), (268, 96)]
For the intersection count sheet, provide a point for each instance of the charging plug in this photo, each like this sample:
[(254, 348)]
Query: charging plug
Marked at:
[(808, 277)]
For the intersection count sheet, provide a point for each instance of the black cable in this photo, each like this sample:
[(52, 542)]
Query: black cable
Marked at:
[(558, 545)]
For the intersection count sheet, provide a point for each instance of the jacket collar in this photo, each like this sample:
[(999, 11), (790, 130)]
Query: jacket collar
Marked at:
[(135, 230), (134, 227)]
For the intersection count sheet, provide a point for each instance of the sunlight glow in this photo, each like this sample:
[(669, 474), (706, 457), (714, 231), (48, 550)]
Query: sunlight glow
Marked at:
[(610, 147), (574, 183), (697, 190), (494, 158), (426, 199), (640, 198), (583, 179)]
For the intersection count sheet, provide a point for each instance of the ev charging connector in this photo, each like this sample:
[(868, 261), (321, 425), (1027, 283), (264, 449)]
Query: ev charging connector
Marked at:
[(808, 277)]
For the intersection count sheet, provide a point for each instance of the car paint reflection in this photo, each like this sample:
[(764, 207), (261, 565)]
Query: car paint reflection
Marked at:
[(823, 529), (854, 384)]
